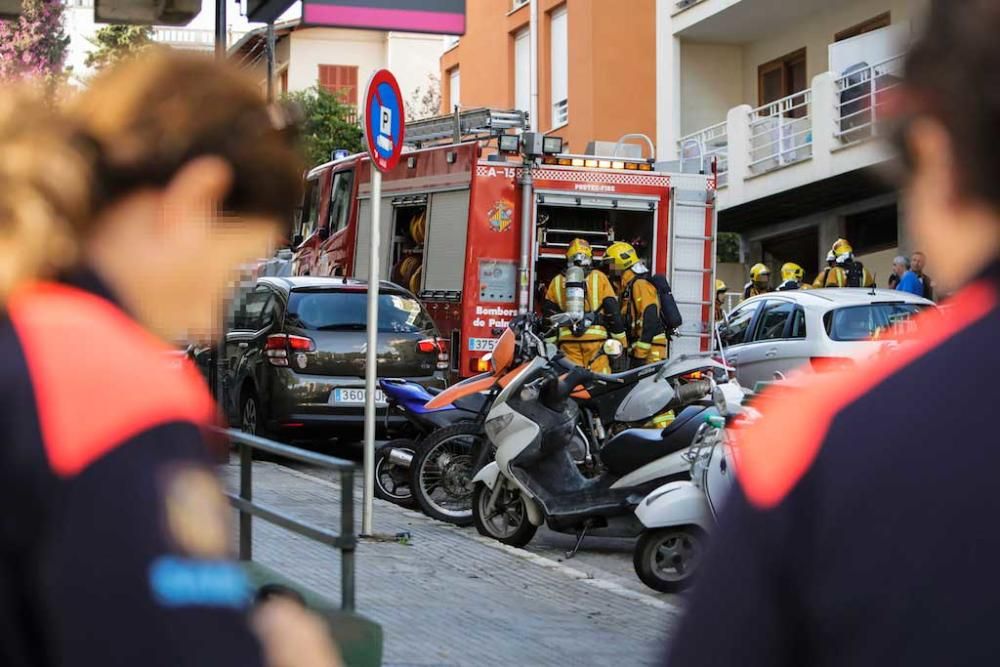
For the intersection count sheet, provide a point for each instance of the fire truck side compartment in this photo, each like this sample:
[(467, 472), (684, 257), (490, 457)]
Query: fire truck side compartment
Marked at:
[(447, 234)]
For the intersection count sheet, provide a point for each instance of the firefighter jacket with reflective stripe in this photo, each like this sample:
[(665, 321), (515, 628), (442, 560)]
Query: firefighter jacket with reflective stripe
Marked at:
[(837, 277), (601, 301), (641, 311), (821, 553), (113, 537)]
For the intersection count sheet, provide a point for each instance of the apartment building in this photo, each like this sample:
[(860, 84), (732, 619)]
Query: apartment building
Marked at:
[(594, 66), (786, 97), (339, 60)]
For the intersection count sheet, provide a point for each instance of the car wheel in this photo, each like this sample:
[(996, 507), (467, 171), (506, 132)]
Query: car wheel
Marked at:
[(251, 414)]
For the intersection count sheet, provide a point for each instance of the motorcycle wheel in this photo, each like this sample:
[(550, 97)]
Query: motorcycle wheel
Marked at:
[(392, 481), (441, 473), (509, 521), (666, 559)]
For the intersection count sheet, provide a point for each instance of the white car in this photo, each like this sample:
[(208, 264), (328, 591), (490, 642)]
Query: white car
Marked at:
[(812, 329)]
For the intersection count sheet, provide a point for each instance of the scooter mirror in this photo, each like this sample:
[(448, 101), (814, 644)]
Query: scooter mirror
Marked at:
[(613, 348)]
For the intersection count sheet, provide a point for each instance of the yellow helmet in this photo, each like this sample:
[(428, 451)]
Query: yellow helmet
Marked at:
[(579, 252), (842, 249), (621, 255), (720, 286), (792, 271), (758, 272)]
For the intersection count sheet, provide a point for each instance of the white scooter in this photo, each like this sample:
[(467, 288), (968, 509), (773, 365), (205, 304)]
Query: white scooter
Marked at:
[(678, 517)]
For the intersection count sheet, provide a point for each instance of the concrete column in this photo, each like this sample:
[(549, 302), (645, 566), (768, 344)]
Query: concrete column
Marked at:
[(738, 137), (822, 111), (668, 83), (829, 231)]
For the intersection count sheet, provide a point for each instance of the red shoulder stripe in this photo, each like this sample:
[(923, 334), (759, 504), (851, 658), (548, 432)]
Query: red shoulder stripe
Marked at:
[(98, 377), (779, 449)]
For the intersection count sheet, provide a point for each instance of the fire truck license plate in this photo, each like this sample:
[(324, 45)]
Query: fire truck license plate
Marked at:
[(482, 344), (354, 397)]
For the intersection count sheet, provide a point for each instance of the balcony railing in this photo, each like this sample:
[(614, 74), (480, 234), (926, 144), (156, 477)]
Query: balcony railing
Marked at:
[(781, 132), (860, 98), (705, 145)]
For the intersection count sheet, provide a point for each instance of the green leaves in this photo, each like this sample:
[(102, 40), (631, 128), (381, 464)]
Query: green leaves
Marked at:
[(115, 42), (329, 124)]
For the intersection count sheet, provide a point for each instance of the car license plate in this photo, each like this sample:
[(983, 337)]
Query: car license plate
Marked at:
[(482, 344), (354, 397)]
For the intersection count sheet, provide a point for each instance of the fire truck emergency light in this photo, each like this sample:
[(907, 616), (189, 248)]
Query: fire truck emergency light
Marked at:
[(509, 143), (146, 12), (10, 9)]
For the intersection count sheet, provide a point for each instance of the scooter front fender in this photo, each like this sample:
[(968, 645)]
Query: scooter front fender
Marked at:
[(675, 504), (488, 474)]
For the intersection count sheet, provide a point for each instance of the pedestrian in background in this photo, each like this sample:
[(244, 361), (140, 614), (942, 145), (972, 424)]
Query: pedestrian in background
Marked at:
[(168, 172), (900, 265), (821, 556), (917, 262)]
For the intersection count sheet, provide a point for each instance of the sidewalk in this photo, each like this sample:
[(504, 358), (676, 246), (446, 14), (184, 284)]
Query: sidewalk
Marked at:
[(453, 598)]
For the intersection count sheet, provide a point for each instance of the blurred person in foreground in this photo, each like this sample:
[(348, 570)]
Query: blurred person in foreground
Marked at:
[(830, 550), (114, 538)]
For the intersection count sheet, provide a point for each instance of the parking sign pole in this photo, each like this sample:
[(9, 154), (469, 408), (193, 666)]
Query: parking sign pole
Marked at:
[(371, 358)]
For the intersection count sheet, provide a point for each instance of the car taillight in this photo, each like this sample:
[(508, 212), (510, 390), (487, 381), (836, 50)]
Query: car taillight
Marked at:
[(829, 364), (278, 346), (439, 345)]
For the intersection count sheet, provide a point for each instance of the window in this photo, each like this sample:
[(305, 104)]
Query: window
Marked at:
[(310, 211), (734, 332), (517, 4), (855, 323), (560, 66), (798, 328), (340, 200), (341, 80), (329, 310), (774, 319), (522, 71), (250, 314), (782, 77), (454, 89), (880, 21)]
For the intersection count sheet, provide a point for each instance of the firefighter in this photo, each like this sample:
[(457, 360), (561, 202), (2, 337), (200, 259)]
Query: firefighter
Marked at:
[(586, 293), (848, 272), (640, 305), (791, 277), (760, 281), (720, 299), (831, 260)]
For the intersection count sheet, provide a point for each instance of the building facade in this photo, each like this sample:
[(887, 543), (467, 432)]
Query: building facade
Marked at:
[(341, 61), (595, 66), (786, 97)]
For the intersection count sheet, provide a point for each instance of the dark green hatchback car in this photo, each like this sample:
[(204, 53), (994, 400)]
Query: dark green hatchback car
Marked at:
[(294, 361)]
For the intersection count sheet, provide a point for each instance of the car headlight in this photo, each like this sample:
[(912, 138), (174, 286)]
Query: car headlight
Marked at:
[(495, 426)]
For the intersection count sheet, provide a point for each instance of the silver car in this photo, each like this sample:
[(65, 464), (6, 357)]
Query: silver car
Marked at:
[(812, 330)]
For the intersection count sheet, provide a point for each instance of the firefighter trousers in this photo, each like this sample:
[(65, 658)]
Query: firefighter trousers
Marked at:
[(587, 353), (648, 353)]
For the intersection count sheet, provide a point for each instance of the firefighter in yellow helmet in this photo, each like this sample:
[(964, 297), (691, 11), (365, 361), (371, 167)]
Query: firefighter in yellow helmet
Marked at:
[(585, 293), (720, 298), (791, 277), (848, 272), (760, 281), (640, 304), (831, 261)]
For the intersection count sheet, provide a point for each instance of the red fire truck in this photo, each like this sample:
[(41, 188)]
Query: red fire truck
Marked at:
[(452, 218)]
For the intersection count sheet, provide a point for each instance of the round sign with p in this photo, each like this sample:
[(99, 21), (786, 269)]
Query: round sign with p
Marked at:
[(384, 120)]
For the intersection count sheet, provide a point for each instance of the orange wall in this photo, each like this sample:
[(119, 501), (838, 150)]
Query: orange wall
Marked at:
[(612, 65)]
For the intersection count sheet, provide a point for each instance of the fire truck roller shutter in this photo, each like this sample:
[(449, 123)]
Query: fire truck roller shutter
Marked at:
[(364, 237), (447, 232), (687, 246)]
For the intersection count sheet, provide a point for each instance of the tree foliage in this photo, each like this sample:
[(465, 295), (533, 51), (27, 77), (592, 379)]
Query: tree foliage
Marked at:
[(727, 247), (115, 42), (34, 44), (425, 100), (328, 124)]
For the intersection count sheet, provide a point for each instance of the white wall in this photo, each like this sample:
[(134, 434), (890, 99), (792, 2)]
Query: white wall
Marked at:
[(312, 47), (711, 83), (413, 58)]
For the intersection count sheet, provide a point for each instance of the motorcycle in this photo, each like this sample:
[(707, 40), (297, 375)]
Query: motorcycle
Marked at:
[(678, 517), (393, 459), (533, 479)]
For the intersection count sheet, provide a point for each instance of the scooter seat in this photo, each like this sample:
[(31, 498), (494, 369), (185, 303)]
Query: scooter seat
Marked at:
[(636, 447)]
